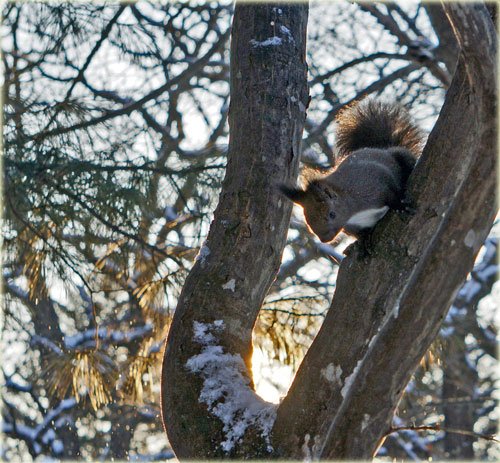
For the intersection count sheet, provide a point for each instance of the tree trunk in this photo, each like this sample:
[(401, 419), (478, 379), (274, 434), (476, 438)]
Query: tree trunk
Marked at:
[(459, 382), (460, 379), (387, 308), (242, 253)]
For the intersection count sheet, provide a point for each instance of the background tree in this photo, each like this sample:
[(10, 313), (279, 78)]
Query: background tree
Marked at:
[(106, 200), (115, 142)]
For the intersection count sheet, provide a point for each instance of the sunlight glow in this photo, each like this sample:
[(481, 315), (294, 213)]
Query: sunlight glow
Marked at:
[(272, 379)]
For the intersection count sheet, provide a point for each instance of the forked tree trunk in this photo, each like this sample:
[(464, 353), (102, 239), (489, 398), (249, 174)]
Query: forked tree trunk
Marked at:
[(387, 308), (243, 250)]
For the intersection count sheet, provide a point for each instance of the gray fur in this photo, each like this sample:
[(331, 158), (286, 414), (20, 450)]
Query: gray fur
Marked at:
[(356, 193)]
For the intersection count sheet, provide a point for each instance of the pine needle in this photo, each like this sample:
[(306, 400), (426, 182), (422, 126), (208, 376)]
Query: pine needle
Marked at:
[(87, 372)]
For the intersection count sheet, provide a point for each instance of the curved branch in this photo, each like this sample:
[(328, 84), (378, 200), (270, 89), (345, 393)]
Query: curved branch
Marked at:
[(97, 46), (389, 23), (362, 59), (138, 104)]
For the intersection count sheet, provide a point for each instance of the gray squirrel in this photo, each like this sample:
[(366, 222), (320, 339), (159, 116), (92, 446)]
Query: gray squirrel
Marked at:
[(378, 145)]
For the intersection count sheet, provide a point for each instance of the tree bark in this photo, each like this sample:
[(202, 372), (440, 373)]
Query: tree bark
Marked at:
[(242, 253), (447, 50), (387, 309)]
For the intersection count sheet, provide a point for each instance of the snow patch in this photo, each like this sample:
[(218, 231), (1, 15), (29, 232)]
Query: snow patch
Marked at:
[(57, 446), (447, 331), (395, 310), (311, 452), (203, 253), (49, 436), (88, 336), (349, 380), (287, 33), (230, 285), (469, 290), (364, 423), (270, 42), (306, 451), (397, 304), (226, 388), (332, 373), (456, 312), (170, 214), (470, 239)]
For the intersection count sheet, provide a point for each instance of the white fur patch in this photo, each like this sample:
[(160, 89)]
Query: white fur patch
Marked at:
[(367, 218)]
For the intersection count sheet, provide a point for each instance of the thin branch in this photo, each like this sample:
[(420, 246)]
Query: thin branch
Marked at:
[(375, 87), (403, 15), (356, 61), (79, 76), (56, 250), (138, 104), (106, 222), (438, 427), (387, 22), (26, 166), (294, 313)]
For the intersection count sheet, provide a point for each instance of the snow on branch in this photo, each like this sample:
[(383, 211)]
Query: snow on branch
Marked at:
[(47, 343), (271, 41), (475, 287), (43, 433), (226, 388), (105, 334)]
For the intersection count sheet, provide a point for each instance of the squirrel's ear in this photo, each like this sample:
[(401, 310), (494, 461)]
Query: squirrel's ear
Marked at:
[(295, 194)]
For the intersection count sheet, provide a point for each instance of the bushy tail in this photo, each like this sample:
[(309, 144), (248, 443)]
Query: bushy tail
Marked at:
[(373, 124)]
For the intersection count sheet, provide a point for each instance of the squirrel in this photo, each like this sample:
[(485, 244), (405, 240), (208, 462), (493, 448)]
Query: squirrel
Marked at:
[(378, 145)]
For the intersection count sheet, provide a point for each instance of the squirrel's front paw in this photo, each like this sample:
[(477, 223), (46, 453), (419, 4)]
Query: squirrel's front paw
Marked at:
[(406, 206), (363, 245)]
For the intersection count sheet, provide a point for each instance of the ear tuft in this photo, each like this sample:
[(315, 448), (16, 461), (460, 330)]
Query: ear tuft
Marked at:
[(295, 194)]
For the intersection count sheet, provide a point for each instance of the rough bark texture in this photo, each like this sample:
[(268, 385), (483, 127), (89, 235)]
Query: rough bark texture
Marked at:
[(448, 48), (388, 308), (243, 250)]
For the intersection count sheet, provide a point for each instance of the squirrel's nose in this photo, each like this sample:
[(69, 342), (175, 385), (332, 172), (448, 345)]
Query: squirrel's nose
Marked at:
[(326, 239), (329, 235)]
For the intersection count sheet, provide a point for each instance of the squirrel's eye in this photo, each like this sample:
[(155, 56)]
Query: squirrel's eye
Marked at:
[(331, 215)]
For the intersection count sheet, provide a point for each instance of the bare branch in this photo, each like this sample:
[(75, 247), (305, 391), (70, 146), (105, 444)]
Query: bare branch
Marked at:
[(439, 428)]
